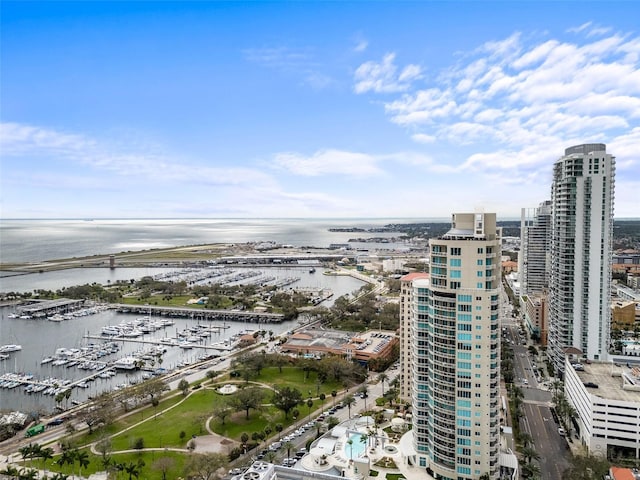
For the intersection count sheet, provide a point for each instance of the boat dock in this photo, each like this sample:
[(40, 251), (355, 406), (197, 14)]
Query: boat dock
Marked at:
[(201, 313)]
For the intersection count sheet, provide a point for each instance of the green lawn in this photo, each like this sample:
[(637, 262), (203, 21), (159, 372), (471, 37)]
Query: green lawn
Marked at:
[(295, 377), (164, 430)]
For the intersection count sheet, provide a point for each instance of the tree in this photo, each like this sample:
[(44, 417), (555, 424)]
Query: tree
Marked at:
[(586, 467), (206, 466), (244, 438), (82, 457), (334, 394), (270, 456), (309, 404), (348, 401), (183, 385), (46, 454), (222, 411), (350, 443), (288, 446), (530, 453), (267, 431), (286, 398), (322, 397), (248, 398), (279, 429), (133, 469), (163, 465), (382, 378), (530, 470)]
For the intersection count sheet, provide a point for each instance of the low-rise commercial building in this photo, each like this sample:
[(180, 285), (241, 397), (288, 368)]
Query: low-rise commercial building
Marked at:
[(606, 397), (364, 347)]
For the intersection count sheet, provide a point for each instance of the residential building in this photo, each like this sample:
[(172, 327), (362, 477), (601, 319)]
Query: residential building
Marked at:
[(536, 314), (406, 359), (455, 352), (582, 195), (535, 233)]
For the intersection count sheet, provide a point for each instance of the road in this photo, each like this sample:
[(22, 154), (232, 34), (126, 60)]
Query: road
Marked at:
[(538, 420)]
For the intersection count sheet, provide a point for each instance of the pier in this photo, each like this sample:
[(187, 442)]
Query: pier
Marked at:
[(201, 313), (44, 308)]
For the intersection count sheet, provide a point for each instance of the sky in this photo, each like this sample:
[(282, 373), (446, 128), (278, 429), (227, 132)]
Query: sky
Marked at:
[(310, 109)]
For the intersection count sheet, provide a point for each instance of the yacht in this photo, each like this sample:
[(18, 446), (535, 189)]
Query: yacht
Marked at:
[(126, 363), (10, 348)]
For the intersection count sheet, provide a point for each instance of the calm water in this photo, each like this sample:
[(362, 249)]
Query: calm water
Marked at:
[(38, 240), (40, 338)]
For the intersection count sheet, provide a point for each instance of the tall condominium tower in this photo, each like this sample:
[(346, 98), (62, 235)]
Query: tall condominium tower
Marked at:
[(535, 235), (581, 235), (455, 353), (406, 340)]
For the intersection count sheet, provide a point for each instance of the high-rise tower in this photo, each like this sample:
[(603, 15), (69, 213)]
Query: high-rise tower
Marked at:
[(535, 236), (455, 352), (581, 235)]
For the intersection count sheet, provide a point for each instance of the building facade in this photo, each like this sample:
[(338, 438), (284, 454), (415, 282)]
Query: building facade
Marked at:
[(535, 234), (406, 359), (582, 195), (607, 401), (456, 353)]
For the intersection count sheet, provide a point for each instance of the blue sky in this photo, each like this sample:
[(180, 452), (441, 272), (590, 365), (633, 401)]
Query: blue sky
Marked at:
[(305, 109)]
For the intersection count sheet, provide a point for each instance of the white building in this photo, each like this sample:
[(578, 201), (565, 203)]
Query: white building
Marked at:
[(606, 397), (533, 260), (581, 235), (406, 342), (455, 352)]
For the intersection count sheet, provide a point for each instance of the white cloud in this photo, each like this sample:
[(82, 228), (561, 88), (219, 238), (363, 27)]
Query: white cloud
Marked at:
[(328, 162), (513, 105), (423, 138), (384, 77), (19, 140), (361, 43)]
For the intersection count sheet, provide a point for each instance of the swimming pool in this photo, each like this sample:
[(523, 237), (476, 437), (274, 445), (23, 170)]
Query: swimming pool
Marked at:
[(357, 447)]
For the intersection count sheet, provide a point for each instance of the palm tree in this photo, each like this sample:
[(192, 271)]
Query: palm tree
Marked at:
[(350, 443), (132, 469), (279, 428), (28, 474), (382, 378), (364, 438), (270, 456), (288, 446), (348, 401), (83, 459), (46, 454), (526, 439), (60, 476), (10, 471), (322, 397), (267, 431), (530, 453), (334, 394), (530, 470), (67, 457), (309, 404)]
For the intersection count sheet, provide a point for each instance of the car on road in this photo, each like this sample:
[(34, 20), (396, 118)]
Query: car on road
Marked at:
[(561, 431), (289, 462)]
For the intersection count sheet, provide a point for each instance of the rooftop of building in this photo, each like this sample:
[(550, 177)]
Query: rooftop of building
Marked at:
[(409, 277), (372, 341), (610, 379)]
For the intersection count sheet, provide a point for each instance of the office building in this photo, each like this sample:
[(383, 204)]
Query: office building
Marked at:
[(455, 352), (581, 236)]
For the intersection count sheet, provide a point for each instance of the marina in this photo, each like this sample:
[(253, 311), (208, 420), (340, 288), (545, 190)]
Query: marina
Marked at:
[(186, 335)]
